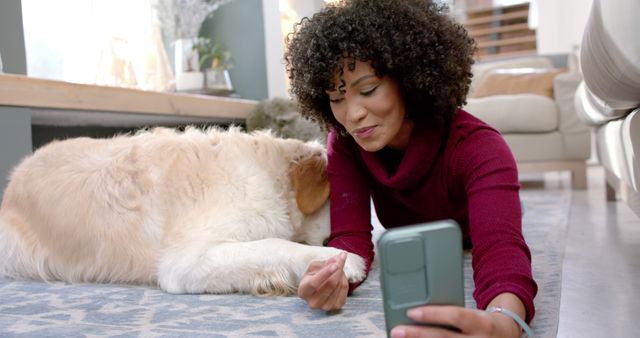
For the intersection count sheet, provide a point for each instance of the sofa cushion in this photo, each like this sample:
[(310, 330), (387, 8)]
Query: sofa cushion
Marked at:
[(517, 113), (480, 69), (517, 81), (617, 148)]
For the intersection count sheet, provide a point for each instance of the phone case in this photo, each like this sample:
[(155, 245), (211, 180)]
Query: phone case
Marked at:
[(419, 265)]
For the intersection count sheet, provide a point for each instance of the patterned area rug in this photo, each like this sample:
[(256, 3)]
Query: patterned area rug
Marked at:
[(38, 309)]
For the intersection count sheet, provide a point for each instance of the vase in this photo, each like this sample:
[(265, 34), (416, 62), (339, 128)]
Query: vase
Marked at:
[(185, 57), (189, 81), (218, 79)]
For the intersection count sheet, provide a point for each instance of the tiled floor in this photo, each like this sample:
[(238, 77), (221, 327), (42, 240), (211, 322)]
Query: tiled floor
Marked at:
[(601, 272)]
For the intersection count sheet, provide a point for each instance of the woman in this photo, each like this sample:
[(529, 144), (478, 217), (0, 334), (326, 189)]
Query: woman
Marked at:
[(387, 78)]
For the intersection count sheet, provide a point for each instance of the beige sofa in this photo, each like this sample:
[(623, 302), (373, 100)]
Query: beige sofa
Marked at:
[(532, 105), (609, 98)]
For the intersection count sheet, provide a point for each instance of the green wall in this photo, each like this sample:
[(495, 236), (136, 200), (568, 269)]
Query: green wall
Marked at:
[(12, 37), (15, 123), (239, 25)]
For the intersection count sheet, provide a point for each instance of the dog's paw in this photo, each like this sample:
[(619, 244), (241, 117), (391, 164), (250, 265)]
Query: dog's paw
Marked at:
[(354, 268), (274, 282)]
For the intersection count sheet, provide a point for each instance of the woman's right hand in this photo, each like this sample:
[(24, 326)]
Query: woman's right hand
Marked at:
[(324, 285)]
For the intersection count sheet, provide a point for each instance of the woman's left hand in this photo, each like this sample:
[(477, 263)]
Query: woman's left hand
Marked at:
[(470, 322)]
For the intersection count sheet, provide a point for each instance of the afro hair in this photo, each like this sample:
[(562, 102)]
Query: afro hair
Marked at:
[(414, 42)]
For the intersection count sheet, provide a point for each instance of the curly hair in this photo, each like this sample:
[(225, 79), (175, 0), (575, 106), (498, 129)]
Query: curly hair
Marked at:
[(414, 42)]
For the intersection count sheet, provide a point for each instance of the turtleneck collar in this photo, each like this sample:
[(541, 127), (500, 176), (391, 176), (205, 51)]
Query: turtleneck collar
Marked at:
[(418, 158)]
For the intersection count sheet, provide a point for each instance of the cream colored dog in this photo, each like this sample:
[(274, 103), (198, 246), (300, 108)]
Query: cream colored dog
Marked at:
[(195, 212)]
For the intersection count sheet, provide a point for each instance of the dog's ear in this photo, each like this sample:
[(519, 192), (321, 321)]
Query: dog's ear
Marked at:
[(310, 183)]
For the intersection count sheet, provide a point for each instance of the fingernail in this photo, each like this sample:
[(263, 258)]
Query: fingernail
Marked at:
[(414, 314), (398, 332), (333, 267)]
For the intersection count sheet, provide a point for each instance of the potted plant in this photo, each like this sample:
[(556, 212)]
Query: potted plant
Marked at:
[(181, 20), (214, 62)]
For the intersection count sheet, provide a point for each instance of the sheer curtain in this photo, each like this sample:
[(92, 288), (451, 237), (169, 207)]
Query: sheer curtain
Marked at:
[(105, 42)]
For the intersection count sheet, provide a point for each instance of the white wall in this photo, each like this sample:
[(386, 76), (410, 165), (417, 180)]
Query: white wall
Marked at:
[(560, 24), (276, 82), (279, 16)]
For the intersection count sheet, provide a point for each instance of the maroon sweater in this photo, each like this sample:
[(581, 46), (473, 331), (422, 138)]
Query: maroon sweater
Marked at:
[(467, 174)]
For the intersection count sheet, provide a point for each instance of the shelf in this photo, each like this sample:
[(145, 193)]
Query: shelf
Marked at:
[(51, 96), (498, 17), (501, 31), (506, 42), (524, 52)]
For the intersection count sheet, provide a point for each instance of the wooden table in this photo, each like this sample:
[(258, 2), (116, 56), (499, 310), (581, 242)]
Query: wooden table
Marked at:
[(27, 101)]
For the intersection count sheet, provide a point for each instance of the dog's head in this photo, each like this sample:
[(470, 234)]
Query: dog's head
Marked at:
[(300, 169), (310, 182), (311, 186)]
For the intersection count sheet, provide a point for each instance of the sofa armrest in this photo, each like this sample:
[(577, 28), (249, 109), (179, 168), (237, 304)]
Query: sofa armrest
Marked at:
[(564, 90)]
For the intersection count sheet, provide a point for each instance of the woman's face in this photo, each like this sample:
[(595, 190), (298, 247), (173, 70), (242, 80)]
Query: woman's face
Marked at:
[(370, 108)]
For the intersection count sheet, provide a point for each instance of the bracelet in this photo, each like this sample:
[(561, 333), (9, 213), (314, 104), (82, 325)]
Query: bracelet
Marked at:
[(513, 316)]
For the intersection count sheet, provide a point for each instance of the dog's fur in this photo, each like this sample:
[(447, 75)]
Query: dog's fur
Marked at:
[(195, 212)]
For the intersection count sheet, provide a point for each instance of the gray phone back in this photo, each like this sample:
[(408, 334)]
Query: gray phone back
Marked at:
[(420, 264)]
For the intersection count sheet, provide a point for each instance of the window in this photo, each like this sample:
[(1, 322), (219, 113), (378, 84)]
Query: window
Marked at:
[(106, 42)]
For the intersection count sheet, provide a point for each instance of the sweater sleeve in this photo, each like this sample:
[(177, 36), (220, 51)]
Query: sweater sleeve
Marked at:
[(350, 203), (501, 258)]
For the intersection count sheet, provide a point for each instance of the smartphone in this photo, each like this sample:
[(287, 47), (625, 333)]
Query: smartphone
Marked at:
[(419, 265)]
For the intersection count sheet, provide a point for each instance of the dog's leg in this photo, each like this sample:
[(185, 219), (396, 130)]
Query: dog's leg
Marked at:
[(22, 258), (264, 267)]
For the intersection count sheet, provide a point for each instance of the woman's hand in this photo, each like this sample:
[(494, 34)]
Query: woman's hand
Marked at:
[(324, 284), (470, 322)]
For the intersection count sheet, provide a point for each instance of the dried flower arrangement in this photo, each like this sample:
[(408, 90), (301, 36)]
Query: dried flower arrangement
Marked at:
[(183, 18)]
